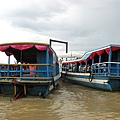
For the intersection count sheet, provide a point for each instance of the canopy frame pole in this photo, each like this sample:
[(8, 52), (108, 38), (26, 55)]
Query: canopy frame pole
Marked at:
[(60, 42)]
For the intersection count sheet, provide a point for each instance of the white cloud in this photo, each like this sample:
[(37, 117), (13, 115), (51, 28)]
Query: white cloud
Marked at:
[(85, 24)]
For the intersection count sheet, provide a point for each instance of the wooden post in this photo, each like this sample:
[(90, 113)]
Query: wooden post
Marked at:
[(15, 91), (24, 89)]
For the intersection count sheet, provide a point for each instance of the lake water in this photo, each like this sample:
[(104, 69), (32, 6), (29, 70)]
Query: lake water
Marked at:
[(67, 102)]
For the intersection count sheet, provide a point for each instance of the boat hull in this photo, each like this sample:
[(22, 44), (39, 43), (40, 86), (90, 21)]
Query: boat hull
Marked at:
[(31, 88), (108, 83)]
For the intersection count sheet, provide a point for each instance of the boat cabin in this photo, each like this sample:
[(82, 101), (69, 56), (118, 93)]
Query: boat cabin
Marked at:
[(32, 60), (105, 60)]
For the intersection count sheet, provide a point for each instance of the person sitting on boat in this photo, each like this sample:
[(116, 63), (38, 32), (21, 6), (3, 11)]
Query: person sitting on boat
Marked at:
[(74, 68), (83, 68), (67, 67), (89, 68), (95, 69), (32, 68)]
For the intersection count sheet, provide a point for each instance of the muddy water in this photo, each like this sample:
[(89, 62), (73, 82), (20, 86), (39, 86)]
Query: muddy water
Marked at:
[(67, 102)]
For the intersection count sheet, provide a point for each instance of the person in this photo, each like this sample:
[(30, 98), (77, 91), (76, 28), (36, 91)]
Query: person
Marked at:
[(60, 63), (83, 68), (89, 68), (32, 68)]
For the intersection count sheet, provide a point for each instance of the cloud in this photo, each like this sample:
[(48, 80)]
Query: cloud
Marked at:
[(85, 24), (35, 11)]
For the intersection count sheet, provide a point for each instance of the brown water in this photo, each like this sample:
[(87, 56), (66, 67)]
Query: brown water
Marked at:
[(67, 102)]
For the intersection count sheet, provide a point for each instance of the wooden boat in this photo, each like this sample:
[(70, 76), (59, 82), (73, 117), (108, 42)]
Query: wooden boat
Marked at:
[(35, 73), (99, 68)]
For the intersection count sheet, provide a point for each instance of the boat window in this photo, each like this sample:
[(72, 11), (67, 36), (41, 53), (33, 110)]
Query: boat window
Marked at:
[(104, 57), (116, 56), (96, 58)]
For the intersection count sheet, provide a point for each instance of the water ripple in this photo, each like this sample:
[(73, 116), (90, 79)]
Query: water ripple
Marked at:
[(67, 102)]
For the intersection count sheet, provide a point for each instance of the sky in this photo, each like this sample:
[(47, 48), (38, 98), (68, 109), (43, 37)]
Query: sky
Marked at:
[(84, 24)]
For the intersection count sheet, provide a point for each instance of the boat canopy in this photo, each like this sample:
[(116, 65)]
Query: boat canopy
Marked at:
[(23, 46), (24, 50), (91, 54)]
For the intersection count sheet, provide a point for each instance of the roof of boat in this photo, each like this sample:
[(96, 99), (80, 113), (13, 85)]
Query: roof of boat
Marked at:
[(98, 51), (104, 47), (12, 43)]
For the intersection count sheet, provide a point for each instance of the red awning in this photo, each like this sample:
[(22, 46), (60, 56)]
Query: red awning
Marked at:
[(92, 55), (41, 47), (2, 48), (107, 50), (23, 47), (115, 48), (100, 52)]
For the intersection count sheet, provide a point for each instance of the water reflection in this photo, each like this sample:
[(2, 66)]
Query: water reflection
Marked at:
[(67, 102)]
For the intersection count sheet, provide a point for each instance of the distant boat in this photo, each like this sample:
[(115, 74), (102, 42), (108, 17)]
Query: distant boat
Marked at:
[(99, 68), (71, 55), (35, 73)]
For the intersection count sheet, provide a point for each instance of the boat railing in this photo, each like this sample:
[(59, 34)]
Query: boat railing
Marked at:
[(26, 71), (106, 68)]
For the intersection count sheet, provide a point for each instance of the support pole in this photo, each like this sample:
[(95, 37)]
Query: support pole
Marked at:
[(24, 89), (15, 91)]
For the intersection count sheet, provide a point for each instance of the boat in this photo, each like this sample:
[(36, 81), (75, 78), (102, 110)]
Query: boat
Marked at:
[(98, 68), (35, 72)]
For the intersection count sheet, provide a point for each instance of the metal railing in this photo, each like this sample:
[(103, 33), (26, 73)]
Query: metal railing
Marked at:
[(8, 71), (106, 68)]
